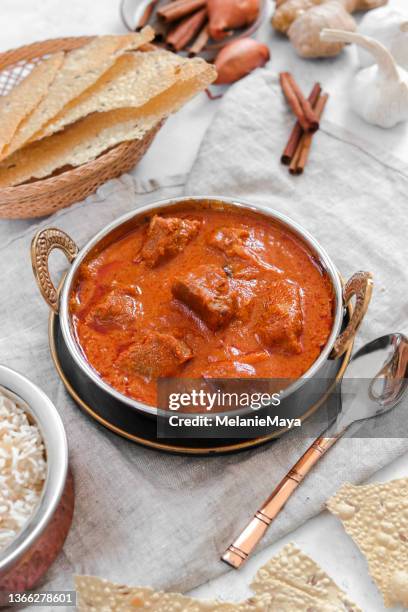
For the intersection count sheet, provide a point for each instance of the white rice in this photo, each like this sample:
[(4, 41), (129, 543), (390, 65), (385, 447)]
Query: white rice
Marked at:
[(23, 469)]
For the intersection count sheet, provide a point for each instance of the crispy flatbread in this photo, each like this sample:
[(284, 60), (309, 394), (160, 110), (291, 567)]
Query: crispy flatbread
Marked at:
[(131, 82), (77, 145), (97, 595), (293, 581), (80, 69), (26, 96), (88, 138), (376, 517), (288, 582)]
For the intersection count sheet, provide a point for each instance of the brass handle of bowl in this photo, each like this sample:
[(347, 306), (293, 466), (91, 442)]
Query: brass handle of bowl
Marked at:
[(43, 243), (360, 286)]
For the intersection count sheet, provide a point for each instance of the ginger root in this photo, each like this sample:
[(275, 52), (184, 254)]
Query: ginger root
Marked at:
[(304, 33), (289, 10), (303, 20)]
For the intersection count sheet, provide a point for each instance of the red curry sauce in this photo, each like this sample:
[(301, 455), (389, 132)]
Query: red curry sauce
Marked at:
[(205, 293)]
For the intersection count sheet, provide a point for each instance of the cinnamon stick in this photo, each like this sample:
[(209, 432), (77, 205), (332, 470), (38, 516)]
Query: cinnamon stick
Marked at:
[(182, 33), (302, 153), (199, 43), (310, 114), (293, 167), (146, 15), (297, 131), (298, 103), (173, 11)]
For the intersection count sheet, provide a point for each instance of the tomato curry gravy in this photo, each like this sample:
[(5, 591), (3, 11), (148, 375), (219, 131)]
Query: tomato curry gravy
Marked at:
[(213, 293)]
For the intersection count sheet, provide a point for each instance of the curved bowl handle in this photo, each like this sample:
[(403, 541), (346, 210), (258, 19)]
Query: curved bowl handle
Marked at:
[(43, 243), (360, 285)]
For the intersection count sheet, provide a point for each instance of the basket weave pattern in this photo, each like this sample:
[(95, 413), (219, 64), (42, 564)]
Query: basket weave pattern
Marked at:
[(46, 196)]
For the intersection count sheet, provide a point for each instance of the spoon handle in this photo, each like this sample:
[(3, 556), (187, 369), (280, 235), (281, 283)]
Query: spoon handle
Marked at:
[(238, 552)]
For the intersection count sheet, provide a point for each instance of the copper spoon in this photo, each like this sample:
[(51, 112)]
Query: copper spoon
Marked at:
[(362, 398)]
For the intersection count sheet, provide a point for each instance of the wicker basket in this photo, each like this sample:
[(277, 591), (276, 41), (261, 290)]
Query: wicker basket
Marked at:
[(44, 197)]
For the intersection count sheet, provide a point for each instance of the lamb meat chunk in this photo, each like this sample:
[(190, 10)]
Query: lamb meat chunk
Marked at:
[(231, 240), (155, 355), (166, 237), (238, 243), (115, 311), (208, 292), (277, 317)]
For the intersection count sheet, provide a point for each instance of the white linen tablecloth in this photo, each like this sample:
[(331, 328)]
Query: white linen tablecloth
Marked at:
[(147, 518)]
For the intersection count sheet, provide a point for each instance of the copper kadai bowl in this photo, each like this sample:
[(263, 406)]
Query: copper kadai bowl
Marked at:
[(28, 557), (297, 397)]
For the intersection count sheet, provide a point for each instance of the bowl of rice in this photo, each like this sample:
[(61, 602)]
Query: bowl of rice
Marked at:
[(36, 487)]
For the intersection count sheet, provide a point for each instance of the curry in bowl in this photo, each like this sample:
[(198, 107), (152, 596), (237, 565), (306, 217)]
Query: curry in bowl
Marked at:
[(201, 293)]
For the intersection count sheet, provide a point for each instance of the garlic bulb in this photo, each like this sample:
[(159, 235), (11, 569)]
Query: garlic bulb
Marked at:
[(379, 93), (389, 27)]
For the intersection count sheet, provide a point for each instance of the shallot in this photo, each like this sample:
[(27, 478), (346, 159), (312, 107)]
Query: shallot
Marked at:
[(227, 15), (239, 58)]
